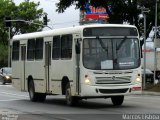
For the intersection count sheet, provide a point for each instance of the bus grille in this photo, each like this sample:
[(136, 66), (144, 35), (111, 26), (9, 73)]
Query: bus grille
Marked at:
[(113, 80), (105, 91)]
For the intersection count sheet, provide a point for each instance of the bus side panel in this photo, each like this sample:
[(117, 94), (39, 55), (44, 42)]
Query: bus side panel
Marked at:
[(16, 72), (60, 69), (35, 69), (63, 68)]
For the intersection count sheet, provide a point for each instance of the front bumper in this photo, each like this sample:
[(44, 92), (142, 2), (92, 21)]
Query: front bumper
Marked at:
[(110, 90)]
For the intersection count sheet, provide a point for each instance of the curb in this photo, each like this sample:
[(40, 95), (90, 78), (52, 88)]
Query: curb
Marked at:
[(147, 93), (150, 93)]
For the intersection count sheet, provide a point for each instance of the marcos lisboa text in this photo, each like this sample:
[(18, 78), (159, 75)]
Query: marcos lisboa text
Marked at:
[(141, 116)]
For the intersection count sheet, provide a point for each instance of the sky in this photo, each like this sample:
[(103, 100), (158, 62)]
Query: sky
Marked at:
[(57, 20)]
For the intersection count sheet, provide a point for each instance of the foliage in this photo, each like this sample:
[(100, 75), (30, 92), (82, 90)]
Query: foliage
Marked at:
[(6, 7), (3, 55), (27, 11), (122, 10)]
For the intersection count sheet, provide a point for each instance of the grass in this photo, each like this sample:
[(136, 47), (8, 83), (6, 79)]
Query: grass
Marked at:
[(153, 88)]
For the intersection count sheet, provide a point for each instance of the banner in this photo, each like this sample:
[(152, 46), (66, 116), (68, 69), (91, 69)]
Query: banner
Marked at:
[(95, 13)]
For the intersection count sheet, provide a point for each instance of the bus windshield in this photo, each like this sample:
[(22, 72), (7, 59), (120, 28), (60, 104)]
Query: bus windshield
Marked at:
[(111, 53)]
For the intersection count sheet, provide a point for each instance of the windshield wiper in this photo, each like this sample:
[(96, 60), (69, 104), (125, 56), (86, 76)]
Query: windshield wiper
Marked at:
[(102, 44), (121, 43)]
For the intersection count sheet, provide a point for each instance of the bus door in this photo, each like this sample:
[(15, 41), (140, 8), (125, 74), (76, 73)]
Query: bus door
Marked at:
[(77, 40), (47, 64), (22, 64)]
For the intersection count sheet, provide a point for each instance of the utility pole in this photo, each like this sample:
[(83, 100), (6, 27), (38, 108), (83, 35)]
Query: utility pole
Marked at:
[(144, 11), (155, 50), (9, 48)]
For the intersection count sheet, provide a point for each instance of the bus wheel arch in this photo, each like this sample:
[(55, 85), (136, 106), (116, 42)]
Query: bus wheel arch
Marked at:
[(31, 89), (34, 96), (64, 83), (28, 80), (70, 100)]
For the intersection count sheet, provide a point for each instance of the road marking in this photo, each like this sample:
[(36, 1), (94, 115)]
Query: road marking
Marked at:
[(13, 94), (6, 85), (8, 100)]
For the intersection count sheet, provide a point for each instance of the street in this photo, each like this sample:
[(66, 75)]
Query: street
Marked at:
[(15, 105)]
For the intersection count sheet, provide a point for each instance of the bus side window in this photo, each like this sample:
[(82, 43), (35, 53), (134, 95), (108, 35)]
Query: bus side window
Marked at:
[(31, 49), (56, 50), (39, 49), (15, 50), (66, 46)]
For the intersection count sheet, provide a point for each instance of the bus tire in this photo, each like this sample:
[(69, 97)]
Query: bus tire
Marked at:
[(3, 82), (117, 100), (70, 100), (31, 89), (41, 97)]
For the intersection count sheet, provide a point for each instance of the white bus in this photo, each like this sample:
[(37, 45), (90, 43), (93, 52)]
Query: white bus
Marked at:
[(90, 61)]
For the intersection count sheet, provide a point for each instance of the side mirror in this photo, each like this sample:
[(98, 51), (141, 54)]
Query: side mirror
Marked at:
[(2, 71), (141, 44), (77, 47)]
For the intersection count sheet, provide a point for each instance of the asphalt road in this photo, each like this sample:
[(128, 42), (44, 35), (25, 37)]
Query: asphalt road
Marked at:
[(15, 105)]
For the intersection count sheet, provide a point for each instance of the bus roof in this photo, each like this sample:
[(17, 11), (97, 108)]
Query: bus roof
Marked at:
[(68, 30)]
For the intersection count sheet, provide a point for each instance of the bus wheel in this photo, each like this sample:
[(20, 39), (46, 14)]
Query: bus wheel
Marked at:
[(41, 97), (70, 100), (33, 96), (117, 100), (3, 82)]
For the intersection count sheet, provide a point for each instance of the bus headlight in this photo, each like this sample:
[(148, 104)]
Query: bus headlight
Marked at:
[(7, 77), (87, 80), (138, 79)]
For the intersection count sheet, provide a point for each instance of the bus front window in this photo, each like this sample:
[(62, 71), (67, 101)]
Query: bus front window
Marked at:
[(117, 54)]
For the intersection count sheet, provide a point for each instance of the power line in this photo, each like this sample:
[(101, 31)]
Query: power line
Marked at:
[(54, 1), (66, 22)]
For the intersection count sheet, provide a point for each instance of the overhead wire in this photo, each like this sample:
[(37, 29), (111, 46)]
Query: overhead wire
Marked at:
[(52, 1)]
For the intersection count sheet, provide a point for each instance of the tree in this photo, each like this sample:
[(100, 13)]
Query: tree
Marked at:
[(122, 10), (151, 15), (118, 15), (25, 11), (6, 7)]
